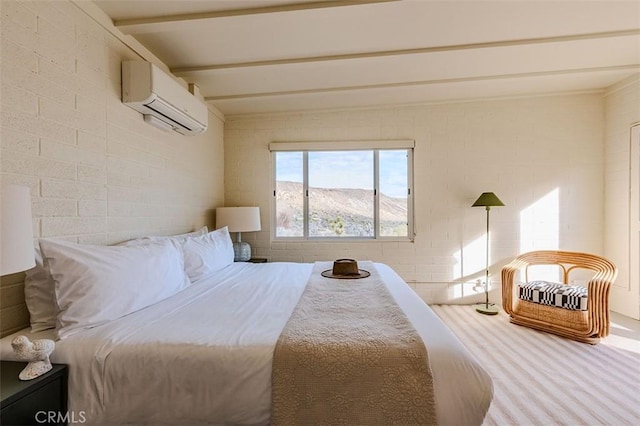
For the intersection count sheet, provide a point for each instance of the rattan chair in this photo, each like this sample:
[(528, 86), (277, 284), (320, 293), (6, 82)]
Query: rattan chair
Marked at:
[(585, 326)]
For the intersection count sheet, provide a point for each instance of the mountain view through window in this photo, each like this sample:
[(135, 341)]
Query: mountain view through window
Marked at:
[(334, 195)]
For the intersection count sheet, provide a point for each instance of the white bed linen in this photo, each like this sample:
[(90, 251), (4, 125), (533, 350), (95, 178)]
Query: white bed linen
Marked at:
[(204, 355)]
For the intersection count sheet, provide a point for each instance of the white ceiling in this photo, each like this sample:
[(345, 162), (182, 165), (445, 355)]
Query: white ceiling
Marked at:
[(255, 56)]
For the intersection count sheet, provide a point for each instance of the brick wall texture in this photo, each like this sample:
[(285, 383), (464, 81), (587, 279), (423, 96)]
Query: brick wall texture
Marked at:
[(542, 156), (98, 174)]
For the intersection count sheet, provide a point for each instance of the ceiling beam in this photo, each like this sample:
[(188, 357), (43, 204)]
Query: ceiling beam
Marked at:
[(635, 67), (415, 51), (164, 23)]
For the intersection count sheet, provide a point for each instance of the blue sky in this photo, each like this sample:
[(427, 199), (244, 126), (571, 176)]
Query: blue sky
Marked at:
[(347, 169)]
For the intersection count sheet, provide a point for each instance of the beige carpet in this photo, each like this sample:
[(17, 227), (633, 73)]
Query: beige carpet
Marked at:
[(542, 379)]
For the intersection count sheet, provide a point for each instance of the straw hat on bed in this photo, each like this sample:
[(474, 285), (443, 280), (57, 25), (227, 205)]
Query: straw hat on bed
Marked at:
[(345, 269)]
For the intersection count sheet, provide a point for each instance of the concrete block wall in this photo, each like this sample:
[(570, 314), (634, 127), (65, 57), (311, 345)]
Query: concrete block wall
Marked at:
[(98, 174), (542, 156)]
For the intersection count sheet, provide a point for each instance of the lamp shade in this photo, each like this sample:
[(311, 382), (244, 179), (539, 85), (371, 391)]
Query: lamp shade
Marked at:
[(488, 199), (16, 230), (238, 219)]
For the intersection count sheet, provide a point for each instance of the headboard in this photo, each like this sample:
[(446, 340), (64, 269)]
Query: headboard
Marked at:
[(14, 315)]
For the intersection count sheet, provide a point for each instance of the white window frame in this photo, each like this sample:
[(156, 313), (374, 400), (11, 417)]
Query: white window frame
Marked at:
[(376, 146)]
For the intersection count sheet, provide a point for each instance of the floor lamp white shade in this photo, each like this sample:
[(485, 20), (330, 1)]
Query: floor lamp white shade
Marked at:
[(16, 230), (239, 219)]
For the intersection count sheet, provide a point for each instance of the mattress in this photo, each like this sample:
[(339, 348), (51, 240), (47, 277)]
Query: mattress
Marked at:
[(204, 355)]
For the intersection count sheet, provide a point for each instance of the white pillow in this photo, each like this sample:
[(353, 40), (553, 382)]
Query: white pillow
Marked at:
[(39, 287), (97, 284), (39, 295), (178, 238), (207, 254)]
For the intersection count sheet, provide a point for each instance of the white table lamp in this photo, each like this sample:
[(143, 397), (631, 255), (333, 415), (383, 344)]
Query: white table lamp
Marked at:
[(16, 230), (239, 219)]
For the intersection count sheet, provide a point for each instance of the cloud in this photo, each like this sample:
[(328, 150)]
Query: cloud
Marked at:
[(347, 170)]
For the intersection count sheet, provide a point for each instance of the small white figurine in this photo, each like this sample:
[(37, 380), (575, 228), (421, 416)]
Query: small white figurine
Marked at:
[(36, 352)]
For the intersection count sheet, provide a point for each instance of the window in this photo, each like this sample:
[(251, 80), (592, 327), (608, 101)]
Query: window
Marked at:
[(342, 193)]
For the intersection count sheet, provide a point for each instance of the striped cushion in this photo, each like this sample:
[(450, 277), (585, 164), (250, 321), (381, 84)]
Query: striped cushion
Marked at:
[(554, 294)]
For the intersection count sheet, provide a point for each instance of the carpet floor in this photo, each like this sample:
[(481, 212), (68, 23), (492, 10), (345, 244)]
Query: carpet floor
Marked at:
[(542, 379)]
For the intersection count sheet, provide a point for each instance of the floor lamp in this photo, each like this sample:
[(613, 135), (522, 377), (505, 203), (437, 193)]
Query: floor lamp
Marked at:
[(487, 200)]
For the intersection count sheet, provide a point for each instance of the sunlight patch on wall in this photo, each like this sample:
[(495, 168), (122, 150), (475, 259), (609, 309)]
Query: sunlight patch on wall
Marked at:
[(469, 265), (540, 230), (462, 290), (471, 259)]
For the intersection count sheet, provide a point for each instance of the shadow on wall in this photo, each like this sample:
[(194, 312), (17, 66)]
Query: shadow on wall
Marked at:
[(210, 219), (470, 288), (539, 230)]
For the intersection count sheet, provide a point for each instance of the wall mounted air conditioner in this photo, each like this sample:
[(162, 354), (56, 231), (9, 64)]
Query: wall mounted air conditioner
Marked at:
[(147, 89)]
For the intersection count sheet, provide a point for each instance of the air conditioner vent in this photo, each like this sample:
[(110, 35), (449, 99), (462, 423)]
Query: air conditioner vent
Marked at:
[(150, 91)]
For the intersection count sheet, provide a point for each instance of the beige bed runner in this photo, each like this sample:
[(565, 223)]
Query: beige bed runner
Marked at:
[(349, 355)]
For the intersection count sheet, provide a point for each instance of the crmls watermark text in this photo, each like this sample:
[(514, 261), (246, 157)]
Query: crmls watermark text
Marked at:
[(56, 417)]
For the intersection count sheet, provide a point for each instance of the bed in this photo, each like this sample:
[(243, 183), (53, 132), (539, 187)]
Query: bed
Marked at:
[(204, 355)]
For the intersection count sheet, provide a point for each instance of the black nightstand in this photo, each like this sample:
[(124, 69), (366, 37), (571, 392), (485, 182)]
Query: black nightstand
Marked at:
[(33, 402), (258, 260)]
